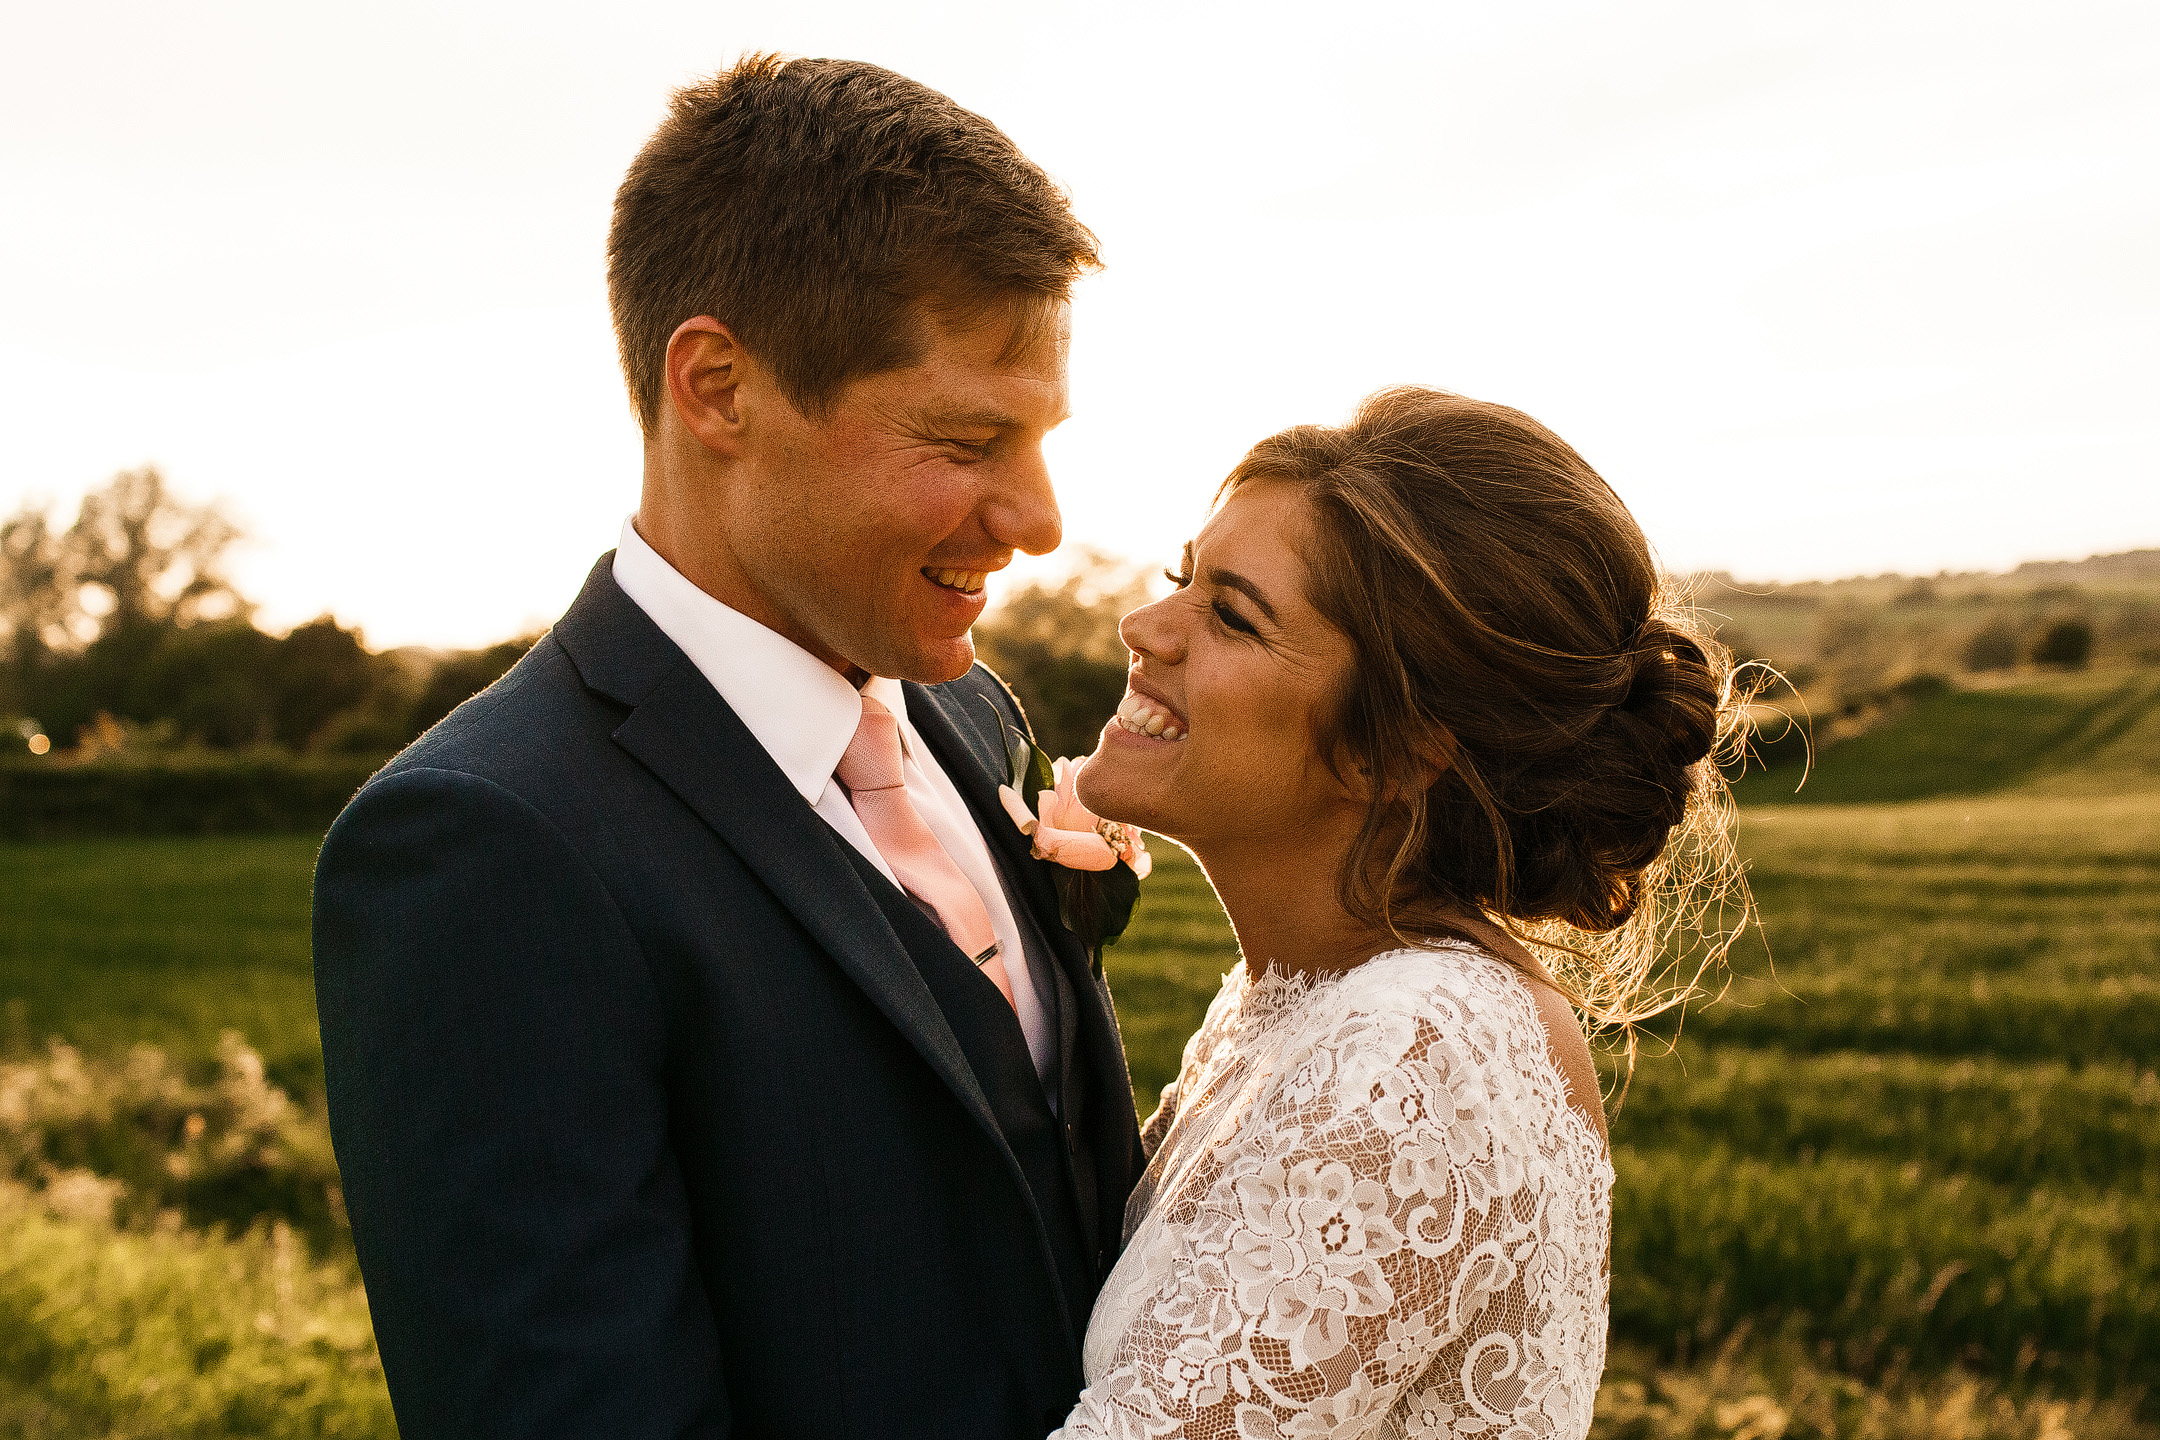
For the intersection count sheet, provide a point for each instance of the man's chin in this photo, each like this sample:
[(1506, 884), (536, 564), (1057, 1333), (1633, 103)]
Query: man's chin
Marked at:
[(930, 661)]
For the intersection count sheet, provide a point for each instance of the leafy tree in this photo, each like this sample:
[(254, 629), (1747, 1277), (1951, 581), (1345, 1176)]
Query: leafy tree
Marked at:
[(154, 557), (33, 602), (320, 671), (135, 562), (214, 683), (33, 585)]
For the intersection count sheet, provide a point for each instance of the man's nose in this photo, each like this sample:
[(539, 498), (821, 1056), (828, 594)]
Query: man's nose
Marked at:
[(1021, 509)]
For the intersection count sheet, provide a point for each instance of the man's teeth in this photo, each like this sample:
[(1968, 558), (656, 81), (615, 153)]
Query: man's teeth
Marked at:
[(966, 581), (1143, 717)]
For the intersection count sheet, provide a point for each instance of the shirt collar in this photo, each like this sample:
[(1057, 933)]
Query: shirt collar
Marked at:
[(801, 710)]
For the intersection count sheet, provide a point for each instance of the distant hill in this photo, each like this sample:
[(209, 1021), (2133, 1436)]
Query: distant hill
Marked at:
[(2135, 570), (2132, 565), (1841, 641), (2075, 733)]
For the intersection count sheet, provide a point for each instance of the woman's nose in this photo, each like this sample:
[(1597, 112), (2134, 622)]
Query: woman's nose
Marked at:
[(1149, 631)]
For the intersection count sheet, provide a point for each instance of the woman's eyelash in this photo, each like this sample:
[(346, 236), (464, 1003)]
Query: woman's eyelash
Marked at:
[(1231, 619)]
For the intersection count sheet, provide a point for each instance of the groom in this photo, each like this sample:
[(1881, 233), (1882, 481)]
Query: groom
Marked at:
[(705, 1055)]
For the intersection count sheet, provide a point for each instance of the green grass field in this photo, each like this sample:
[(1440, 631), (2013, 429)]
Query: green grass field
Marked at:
[(1902, 1179), (165, 941)]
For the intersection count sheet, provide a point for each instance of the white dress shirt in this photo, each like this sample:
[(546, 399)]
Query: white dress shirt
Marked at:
[(804, 713)]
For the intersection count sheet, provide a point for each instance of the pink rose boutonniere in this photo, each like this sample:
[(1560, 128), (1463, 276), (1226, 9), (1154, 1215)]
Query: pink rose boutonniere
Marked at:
[(1067, 833), (1100, 862)]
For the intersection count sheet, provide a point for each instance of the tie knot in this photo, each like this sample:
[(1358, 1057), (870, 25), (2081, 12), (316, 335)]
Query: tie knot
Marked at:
[(872, 761)]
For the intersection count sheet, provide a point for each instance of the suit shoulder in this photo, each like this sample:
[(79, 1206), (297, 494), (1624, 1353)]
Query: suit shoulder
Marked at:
[(980, 684), (540, 707), (537, 735), (411, 802)]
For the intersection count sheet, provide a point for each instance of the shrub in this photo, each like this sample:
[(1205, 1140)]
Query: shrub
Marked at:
[(155, 1272), (122, 1331), (177, 794), (1994, 646), (231, 1150), (2067, 644)]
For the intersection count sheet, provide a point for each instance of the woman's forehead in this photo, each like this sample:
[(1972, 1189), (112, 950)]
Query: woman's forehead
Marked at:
[(1259, 516)]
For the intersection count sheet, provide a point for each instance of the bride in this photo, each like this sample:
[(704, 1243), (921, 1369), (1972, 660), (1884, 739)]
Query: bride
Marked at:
[(1420, 694)]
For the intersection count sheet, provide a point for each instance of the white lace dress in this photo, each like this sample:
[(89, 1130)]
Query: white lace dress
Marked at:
[(1369, 1211)]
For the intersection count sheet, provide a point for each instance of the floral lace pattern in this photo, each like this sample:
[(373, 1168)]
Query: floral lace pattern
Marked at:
[(1369, 1210)]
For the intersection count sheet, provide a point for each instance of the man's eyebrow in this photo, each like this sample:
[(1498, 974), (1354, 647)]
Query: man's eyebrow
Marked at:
[(939, 418), (1231, 580)]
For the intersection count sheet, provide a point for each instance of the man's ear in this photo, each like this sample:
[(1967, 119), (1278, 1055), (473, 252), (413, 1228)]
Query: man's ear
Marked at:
[(705, 365)]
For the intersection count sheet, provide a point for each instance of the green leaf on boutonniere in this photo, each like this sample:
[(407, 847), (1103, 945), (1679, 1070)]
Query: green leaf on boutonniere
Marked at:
[(1027, 769)]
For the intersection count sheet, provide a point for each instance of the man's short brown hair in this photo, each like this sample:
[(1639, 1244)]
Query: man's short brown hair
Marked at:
[(814, 207)]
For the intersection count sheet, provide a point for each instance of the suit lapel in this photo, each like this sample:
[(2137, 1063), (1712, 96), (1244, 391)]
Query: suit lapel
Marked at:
[(964, 751), (684, 733)]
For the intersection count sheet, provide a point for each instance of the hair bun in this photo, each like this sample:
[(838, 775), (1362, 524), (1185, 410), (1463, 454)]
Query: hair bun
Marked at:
[(1673, 693)]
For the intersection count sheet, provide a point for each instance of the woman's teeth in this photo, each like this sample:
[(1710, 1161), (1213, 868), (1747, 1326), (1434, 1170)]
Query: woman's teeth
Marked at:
[(967, 582), (1143, 717)]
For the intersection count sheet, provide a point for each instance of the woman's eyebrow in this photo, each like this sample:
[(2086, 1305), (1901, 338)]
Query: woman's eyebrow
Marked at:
[(1231, 580)]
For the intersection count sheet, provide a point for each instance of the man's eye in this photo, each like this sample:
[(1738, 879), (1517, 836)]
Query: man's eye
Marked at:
[(973, 449)]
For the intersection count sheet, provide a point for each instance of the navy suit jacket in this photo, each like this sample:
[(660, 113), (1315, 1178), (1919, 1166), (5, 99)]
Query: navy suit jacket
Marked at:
[(661, 1112)]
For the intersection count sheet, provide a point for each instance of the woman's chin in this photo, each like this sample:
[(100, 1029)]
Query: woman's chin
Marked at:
[(1118, 782)]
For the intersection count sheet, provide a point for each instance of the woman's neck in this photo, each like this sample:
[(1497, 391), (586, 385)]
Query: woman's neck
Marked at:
[(1286, 910)]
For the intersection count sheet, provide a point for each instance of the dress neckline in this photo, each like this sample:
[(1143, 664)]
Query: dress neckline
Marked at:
[(1263, 997), (1273, 991)]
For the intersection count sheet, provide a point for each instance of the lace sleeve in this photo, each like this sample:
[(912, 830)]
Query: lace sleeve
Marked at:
[(1396, 1238), (1159, 1123)]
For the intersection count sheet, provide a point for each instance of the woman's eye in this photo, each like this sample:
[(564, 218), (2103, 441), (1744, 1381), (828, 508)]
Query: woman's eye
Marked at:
[(1231, 619)]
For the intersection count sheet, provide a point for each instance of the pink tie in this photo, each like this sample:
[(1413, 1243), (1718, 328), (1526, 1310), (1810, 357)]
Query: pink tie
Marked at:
[(870, 770)]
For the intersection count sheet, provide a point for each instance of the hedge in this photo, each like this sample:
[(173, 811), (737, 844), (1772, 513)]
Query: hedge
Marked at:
[(181, 795)]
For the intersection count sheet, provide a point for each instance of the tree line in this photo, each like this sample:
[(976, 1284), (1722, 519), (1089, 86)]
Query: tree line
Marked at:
[(123, 631)]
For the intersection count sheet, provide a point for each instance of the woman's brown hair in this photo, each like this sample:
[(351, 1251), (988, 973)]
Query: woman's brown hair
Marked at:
[(1514, 634)]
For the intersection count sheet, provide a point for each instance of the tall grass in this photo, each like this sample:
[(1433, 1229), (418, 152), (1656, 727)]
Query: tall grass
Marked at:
[(174, 1259)]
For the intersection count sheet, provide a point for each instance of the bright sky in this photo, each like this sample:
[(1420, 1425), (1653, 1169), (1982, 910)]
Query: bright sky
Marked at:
[(1821, 289)]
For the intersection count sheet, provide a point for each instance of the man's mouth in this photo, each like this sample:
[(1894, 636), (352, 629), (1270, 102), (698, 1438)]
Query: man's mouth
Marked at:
[(1152, 718), (967, 582)]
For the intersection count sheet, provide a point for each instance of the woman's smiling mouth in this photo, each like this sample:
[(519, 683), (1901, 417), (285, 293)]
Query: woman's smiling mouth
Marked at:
[(1143, 715)]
